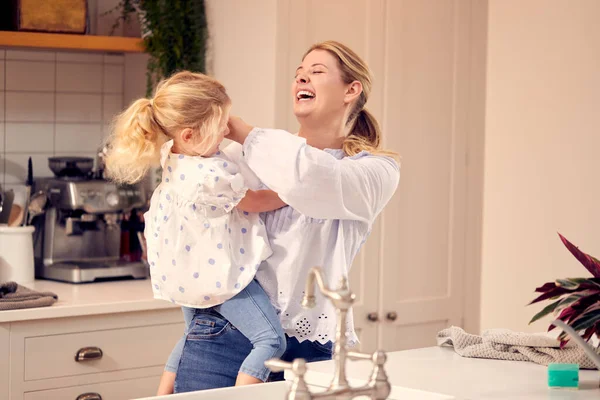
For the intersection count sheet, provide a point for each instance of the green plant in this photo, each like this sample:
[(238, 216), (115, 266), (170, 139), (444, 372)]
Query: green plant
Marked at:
[(174, 34), (576, 300)]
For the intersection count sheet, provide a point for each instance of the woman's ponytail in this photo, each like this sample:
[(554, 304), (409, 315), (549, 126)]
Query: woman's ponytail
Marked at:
[(365, 134)]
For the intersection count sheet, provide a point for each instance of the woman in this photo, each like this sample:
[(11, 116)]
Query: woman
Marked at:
[(336, 180)]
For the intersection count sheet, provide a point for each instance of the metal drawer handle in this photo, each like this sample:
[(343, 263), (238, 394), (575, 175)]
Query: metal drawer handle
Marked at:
[(89, 396), (88, 354)]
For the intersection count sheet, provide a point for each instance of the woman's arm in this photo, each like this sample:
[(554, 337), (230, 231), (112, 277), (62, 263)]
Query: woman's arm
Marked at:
[(256, 201), (313, 181)]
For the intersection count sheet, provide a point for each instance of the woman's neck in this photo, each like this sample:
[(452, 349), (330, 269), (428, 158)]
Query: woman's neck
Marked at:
[(323, 135)]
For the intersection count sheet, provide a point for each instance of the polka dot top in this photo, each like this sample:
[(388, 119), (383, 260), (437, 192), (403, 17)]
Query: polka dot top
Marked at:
[(202, 250)]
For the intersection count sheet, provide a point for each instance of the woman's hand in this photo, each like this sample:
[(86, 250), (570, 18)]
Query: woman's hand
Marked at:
[(238, 129)]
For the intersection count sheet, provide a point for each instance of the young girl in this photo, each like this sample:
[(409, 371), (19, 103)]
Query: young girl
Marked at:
[(204, 237)]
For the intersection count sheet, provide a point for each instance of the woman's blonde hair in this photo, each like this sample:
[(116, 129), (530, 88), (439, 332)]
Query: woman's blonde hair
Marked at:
[(365, 134), (185, 100)]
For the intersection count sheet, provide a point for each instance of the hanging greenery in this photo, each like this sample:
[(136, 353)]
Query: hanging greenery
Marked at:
[(174, 34)]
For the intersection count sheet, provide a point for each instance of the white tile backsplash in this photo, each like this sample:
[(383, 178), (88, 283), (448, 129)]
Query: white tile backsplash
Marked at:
[(1, 144), (88, 58), (114, 59), (26, 137), (112, 105), (56, 103), (16, 166), (78, 107), (30, 76), (113, 79), (31, 55), (26, 107), (81, 78), (2, 74), (78, 137)]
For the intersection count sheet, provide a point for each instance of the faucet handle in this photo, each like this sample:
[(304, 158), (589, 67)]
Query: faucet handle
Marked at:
[(298, 389), (379, 379)]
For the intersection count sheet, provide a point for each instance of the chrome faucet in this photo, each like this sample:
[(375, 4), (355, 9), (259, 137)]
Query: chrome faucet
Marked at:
[(378, 386)]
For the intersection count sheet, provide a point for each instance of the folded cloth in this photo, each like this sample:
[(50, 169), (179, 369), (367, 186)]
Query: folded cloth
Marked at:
[(14, 296), (502, 344)]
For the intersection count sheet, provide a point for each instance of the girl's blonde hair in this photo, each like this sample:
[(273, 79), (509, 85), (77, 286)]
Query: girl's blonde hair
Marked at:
[(365, 134), (185, 100)]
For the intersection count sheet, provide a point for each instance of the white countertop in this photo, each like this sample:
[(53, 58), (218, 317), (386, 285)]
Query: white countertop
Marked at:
[(441, 370), (89, 299), (429, 373)]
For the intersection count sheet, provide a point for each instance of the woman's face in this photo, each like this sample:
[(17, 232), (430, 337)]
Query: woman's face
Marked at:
[(318, 90)]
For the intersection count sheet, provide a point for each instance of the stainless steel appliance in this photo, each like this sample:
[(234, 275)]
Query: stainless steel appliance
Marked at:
[(79, 237)]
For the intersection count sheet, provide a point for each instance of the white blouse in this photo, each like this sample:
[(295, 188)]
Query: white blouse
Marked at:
[(201, 249), (333, 201)]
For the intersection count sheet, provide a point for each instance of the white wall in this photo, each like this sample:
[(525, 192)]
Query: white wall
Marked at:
[(542, 157), (243, 42)]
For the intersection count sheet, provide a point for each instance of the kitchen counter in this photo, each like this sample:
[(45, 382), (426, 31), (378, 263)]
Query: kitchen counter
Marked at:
[(427, 374), (441, 370), (90, 299)]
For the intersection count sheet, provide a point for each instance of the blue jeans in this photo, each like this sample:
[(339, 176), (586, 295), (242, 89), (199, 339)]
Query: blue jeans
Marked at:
[(254, 316), (212, 351)]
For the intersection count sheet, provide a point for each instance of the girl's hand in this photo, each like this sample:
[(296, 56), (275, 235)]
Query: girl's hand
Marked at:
[(238, 129)]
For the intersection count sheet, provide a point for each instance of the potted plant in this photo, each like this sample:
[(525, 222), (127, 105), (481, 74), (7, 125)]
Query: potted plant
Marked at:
[(576, 301), (174, 33)]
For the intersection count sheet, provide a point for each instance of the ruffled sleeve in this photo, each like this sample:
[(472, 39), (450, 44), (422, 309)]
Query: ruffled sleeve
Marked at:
[(221, 188), (316, 183), (165, 150)]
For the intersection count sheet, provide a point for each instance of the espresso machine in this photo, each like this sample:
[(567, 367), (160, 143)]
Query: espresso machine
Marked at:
[(79, 238)]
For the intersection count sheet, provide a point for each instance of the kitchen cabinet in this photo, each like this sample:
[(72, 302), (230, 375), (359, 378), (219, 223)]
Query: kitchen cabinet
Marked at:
[(417, 273), (106, 339)]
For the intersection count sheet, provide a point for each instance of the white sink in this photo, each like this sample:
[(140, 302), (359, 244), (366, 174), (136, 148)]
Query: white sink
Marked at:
[(397, 393), (279, 390), (265, 391), (319, 376)]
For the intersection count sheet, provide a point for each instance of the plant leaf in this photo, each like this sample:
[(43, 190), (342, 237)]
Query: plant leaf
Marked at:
[(547, 310), (589, 262), (593, 307), (568, 300), (565, 316), (545, 287), (585, 321), (557, 291), (590, 332), (570, 283)]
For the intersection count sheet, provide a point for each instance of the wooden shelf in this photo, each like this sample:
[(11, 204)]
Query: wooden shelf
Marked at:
[(61, 41)]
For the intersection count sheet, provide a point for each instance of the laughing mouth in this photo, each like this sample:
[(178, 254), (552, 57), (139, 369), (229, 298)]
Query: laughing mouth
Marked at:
[(305, 95)]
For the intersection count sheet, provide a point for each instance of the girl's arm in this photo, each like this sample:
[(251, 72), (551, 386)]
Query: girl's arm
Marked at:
[(256, 201)]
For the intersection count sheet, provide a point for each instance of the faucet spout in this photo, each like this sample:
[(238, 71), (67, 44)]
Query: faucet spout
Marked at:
[(314, 275), (339, 388), (343, 298)]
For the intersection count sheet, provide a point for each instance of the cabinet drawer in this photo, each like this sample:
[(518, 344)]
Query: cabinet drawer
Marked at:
[(120, 390), (54, 356)]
